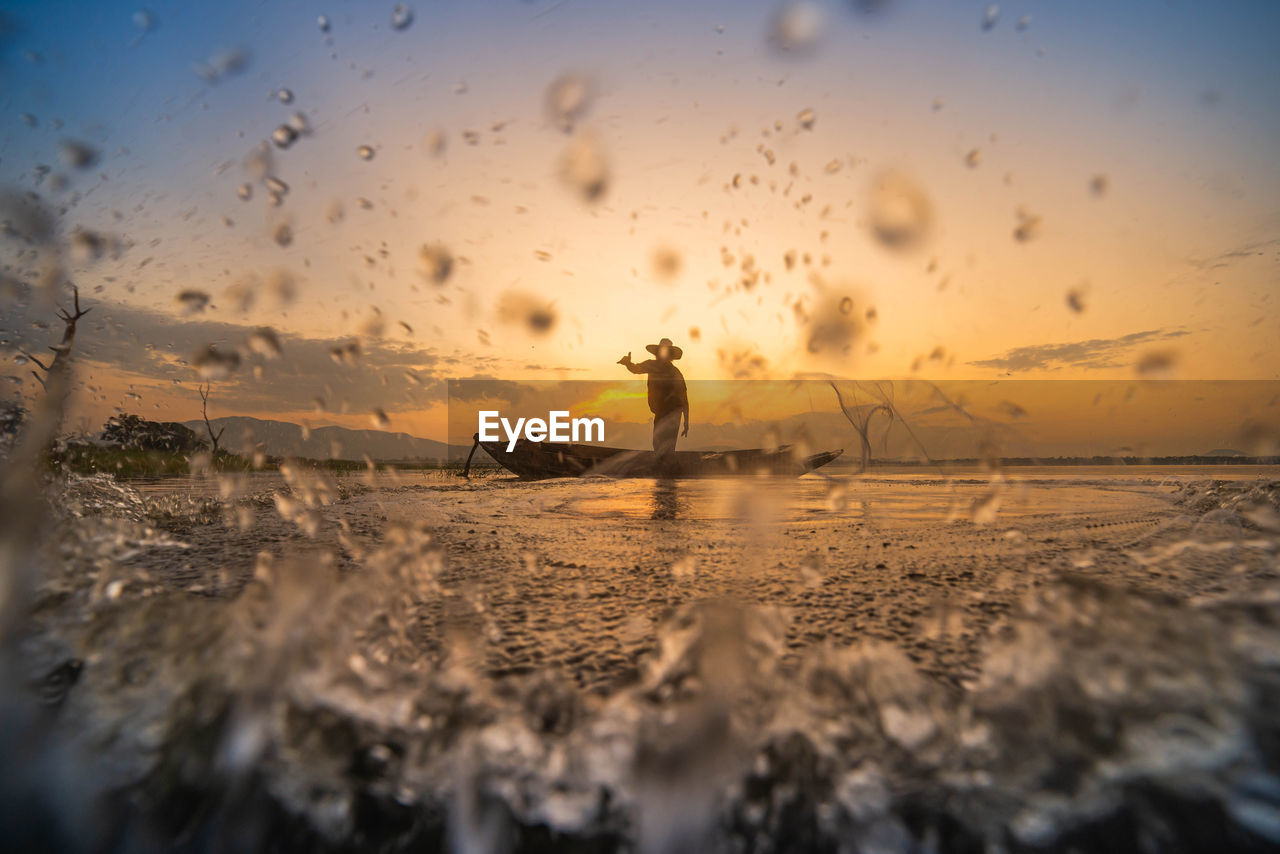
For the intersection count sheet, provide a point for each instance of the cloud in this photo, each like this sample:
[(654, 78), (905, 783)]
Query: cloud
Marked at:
[(1230, 256), (477, 388), (1094, 353), (153, 349)]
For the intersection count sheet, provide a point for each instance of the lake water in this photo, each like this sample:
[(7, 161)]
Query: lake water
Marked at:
[(686, 665)]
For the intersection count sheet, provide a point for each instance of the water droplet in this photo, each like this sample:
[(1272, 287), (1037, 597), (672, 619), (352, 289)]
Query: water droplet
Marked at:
[(144, 20), (87, 246), (684, 569), (224, 63), (282, 286), (436, 261), (77, 155), (1023, 23), (285, 96), (901, 215), (323, 23), (401, 16), (265, 342), (346, 354), (373, 326), (666, 263), (379, 419), (212, 364), (585, 169), (943, 620), (871, 8), (276, 186), (435, 143), (1075, 300), (284, 136), (984, 509), (192, 301), (973, 158), (833, 327), (806, 118), (245, 192), (526, 310), (365, 152), (990, 16), (231, 61), (796, 26), (1156, 363), (568, 100), (258, 161), (282, 234), (1028, 226)]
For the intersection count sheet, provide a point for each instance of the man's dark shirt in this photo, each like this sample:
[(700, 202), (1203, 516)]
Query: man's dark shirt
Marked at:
[(667, 392)]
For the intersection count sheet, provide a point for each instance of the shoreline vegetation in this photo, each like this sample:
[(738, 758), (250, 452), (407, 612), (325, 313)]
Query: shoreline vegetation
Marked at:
[(131, 462), (86, 458)]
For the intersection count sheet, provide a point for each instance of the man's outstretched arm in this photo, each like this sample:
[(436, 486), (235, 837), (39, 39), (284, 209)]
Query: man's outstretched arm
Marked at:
[(642, 368)]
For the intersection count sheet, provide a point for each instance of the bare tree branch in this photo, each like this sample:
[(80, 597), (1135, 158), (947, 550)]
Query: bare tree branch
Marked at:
[(204, 390), (32, 358)]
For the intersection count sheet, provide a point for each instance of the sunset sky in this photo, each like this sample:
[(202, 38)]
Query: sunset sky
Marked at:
[(1078, 191)]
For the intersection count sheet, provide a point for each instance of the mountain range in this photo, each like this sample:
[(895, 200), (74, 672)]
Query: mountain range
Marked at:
[(284, 439)]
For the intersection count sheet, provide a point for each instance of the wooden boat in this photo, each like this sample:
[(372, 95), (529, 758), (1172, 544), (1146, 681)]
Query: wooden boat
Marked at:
[(541, 460)]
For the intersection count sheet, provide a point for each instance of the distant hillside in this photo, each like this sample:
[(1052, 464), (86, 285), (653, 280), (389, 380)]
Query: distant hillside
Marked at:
[(283, 439)]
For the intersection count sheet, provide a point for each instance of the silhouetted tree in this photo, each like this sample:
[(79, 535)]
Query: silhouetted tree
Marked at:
[(204, 410), (134, 433)]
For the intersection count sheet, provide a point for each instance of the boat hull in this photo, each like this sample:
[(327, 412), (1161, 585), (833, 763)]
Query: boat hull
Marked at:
[(543, 460)]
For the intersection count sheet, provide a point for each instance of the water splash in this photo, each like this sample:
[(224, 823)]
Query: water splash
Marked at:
[(365, 676)]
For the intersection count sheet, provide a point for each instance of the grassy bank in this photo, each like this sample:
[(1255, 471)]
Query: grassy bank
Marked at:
[(121, 462)]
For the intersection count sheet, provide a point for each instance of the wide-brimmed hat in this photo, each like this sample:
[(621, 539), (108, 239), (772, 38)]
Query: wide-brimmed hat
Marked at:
[(672, 350)]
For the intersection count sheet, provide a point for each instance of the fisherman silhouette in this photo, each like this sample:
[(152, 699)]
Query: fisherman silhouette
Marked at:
[(668, 397)]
